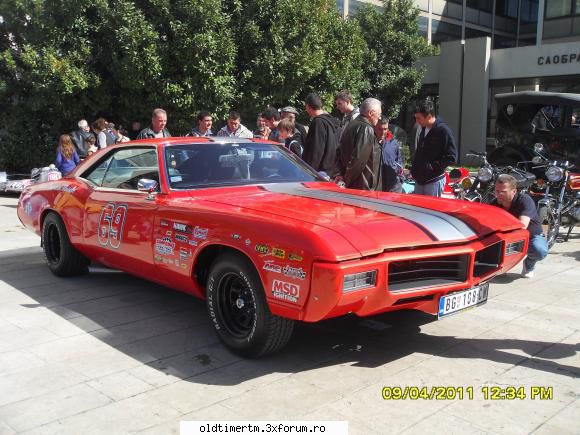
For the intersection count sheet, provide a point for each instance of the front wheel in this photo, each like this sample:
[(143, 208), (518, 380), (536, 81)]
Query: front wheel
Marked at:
[(550, 224), (238, 309), (62, 257)]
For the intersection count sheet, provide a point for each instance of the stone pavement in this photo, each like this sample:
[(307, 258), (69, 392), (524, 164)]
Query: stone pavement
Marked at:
[(108, 354)]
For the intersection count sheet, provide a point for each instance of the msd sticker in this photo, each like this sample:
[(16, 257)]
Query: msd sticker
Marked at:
[(285, 291)]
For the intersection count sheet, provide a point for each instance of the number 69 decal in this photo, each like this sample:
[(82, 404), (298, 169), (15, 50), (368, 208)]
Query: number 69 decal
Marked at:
[(111, 223)]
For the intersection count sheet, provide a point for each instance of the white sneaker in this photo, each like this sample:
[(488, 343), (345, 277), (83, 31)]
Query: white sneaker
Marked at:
[(527, 273)]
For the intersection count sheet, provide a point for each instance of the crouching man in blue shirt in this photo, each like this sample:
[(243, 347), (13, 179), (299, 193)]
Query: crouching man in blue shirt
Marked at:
[(522, 206)]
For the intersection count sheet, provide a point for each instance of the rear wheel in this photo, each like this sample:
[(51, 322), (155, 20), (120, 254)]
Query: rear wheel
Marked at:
[(61, 256), (238, 309)]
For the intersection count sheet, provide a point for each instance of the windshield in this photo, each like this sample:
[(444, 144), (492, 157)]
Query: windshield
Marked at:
[(231, 164)]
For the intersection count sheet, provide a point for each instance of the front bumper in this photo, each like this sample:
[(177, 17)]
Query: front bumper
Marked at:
[(326, 298)]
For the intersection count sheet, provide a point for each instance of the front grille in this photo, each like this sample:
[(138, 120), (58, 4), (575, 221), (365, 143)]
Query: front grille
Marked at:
[(427, 272), (487, 260)]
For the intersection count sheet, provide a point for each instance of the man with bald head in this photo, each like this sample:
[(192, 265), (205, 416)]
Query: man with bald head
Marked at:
[(359, 154)]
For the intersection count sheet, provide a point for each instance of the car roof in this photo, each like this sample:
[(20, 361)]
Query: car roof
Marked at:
[(533, 97)]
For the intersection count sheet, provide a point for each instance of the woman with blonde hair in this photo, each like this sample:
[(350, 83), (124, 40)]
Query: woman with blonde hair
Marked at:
[(66, 156)]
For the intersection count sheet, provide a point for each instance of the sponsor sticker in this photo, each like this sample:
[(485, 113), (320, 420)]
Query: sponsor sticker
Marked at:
[(294, 257), (294, 272), (164, 246), (181, 238), (163, 223), (278, 253), (262, 249), (28, 208), (182, 228), (192, 242), (271, 267), (184, 253), (248, 242), (183, 266), (200, 233), (66, 188), (168, 233), (236, 236), (285, 291)]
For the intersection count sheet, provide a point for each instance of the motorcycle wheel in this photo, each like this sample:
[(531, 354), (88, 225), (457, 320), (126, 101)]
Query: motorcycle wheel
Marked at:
[(550, 224)]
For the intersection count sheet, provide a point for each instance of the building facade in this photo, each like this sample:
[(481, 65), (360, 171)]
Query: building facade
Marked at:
[(490, 47)]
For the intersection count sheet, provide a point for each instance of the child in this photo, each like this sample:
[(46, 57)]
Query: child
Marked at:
[(291, 138)]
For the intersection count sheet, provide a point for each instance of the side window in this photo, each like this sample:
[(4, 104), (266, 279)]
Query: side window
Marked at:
[(128, 166), (96, 174)]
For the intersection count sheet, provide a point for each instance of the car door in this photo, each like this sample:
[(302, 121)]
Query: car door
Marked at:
[(118, 217)]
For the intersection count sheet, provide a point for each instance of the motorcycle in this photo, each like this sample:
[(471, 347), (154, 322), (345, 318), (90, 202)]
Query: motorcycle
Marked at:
[(482, 188), (559, 205)]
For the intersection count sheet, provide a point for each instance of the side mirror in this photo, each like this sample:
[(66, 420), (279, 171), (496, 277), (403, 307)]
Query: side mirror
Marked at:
[(147, 185)]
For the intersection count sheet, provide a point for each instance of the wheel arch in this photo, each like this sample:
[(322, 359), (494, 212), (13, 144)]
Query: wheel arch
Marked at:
[(209, 254)]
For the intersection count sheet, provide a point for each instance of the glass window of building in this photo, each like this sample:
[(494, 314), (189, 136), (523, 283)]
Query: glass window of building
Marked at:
[(423, 26), (481, 5), (507, 8), (442, 31), (558, 8)]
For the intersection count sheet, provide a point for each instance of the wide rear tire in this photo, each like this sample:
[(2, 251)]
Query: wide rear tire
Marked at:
[(238, 309), (61, 256)]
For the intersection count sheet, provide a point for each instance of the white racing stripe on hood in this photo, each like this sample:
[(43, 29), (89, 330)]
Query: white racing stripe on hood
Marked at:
[(443, 227)]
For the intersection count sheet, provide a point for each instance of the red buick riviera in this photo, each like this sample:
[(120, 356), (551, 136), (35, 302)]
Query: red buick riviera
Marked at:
[(266, 240)]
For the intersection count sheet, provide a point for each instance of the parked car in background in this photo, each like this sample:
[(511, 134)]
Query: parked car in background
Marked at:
[(526, 118)]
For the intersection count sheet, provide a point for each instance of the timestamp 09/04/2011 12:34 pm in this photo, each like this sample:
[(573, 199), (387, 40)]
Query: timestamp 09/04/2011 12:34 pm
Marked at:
[(486, 392)]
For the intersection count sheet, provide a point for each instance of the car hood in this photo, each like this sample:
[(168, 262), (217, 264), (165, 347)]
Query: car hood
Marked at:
[(372, 221)]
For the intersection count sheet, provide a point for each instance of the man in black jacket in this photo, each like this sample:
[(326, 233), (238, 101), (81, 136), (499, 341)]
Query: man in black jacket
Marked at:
[(359, 155), (436, 149), (81, 137), (157, 127), (321, 140)]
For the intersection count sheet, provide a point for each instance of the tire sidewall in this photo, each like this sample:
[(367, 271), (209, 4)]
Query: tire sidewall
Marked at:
[(257, 337), (53, 221)]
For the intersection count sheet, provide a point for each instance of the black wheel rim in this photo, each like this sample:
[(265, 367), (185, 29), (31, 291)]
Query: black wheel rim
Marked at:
[(236, 305), (52, 244)]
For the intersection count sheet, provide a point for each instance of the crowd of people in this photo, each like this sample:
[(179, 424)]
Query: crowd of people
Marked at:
[(357, 151)]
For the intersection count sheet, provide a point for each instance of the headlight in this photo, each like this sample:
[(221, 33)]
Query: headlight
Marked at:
[(485, 174), (360, 280), (554, 173), (466, 183), (514, 248)]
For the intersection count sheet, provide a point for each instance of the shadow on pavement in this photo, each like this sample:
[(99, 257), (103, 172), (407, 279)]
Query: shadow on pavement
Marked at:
[(170, 331)]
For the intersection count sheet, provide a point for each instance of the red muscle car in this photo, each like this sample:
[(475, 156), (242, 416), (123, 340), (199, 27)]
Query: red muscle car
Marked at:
[(265, 239)]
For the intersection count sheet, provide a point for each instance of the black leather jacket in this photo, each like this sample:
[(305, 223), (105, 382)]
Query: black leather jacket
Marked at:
[(359, 155), (79, 138)]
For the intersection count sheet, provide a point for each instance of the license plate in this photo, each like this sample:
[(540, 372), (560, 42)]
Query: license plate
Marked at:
[(464, 300)]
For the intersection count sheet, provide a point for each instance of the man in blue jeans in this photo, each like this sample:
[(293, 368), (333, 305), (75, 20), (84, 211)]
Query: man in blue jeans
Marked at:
[(522, 206)]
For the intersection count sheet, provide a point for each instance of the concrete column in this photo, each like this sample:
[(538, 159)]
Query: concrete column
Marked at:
[(450, 68), (476, 69)]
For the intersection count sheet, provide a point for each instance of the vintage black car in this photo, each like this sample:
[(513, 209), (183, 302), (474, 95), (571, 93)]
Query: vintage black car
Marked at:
[(527, 118)]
